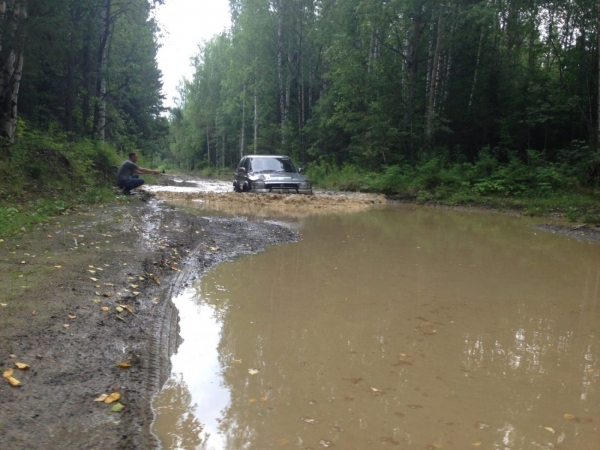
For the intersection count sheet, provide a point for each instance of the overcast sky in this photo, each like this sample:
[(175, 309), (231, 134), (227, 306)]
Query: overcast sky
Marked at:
[(185, 24)]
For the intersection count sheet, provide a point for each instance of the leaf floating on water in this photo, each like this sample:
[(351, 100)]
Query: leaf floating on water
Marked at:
[(252, 371), (117, 408), (101, 398), (569, 416), (263, 399), (282, 442), (325, 443), (112, 398), (252, 400), (237, 361), (22, 366), (375, 389), (308, 420), (476, 444), (551, 430)]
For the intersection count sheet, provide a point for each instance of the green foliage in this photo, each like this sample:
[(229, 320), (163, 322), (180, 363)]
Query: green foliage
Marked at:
[(42, 175)]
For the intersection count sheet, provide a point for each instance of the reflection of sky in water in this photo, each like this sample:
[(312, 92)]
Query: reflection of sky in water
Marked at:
[(426, 329), (196, 362)]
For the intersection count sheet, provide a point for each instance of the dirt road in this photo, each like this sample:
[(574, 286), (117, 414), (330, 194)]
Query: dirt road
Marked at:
[(89, 291)]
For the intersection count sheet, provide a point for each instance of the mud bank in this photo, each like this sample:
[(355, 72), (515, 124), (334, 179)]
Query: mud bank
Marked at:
[(91, 290)]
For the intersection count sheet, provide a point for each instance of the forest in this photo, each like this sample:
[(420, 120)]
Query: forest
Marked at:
[(433, 100)]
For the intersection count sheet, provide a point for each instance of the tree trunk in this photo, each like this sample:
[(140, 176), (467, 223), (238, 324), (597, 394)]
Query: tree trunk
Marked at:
[(103, 64), (476, 69), (255, 120), (280, 68), (598, 99), (434, 77), (12, 15), (243, 137)]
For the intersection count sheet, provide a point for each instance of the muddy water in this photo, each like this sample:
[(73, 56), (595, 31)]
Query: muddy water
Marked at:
[(405, 327)]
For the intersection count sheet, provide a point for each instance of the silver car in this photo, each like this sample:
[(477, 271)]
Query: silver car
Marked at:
[(269, 173)]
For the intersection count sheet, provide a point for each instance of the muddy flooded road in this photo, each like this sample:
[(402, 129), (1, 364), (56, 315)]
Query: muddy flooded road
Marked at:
[(392, 327)]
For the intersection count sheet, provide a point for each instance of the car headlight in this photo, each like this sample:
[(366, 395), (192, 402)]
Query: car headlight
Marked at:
[(304, 185), (258, 184)]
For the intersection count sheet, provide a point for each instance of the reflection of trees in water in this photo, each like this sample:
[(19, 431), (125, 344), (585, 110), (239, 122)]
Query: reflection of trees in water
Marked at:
[(184, 430), (516, 334)]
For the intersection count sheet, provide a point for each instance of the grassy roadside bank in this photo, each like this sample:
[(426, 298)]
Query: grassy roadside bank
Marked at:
[(41, 177), (536, 188)]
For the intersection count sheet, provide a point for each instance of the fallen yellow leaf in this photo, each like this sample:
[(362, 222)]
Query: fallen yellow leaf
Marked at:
[(136, 293), (93, 279), (22, 366), (105, 308), (112, 398), (91, 271), (14, 382), (58, 267), (551, 430), (252, 371), (128, 308), (119, 309), (124, 365), (252, 400), (263, 399), (3, 304), (72, 317), (569, 416), (133, 286), (65, 325), (8, 373), (101, 398)]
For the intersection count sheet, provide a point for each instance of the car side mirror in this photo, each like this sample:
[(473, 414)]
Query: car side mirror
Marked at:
[(300, 170), (242, 169)]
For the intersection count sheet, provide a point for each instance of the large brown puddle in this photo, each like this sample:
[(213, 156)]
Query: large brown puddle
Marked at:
[(402, 327)]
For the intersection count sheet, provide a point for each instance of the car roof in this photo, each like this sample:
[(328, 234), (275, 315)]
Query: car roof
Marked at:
[(267, 156)]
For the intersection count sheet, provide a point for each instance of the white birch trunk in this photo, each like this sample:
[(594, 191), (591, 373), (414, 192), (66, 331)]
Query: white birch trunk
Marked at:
[(243, 137), (255, 120)]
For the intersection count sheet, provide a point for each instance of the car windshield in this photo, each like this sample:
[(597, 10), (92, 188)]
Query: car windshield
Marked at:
[(272, 165)]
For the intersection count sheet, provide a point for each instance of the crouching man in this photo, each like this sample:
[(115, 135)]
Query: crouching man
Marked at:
[(127, 176)]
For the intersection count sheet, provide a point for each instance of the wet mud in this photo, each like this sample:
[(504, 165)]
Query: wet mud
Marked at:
[(582, 232), (89, 291)]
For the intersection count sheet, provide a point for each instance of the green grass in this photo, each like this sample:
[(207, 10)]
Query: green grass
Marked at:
[(531, 190)]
